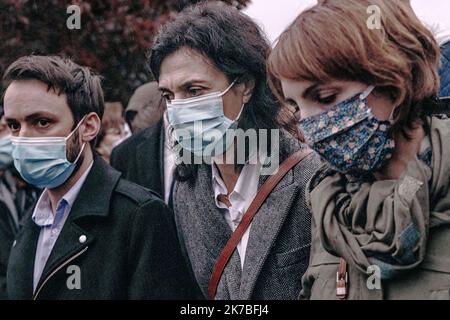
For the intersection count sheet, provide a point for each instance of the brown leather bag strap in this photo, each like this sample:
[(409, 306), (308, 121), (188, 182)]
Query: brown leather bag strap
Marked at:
[(342, 280), (260, 197)]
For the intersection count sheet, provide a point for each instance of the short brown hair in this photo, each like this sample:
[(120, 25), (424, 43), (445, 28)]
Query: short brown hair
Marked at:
[(333, 41), (81, 85)]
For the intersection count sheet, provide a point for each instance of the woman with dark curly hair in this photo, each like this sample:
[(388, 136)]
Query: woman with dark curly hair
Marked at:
[(210, 63)]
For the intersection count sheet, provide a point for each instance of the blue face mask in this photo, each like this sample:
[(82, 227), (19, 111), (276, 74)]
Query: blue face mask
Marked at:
[(349, 137), (200, 125), (6, 159), (42, 161)]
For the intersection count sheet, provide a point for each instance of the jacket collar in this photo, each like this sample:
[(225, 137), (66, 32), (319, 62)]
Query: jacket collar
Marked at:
[(95, 195), (93, 200), (43, 213)]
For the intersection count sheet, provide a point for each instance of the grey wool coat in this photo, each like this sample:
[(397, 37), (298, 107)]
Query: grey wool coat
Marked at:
[(279, 243)]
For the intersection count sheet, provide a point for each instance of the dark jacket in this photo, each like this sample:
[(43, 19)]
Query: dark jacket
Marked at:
[(16, 200), (279, 242), (7, 232), (140, 158), (444, 71), (130, 249)]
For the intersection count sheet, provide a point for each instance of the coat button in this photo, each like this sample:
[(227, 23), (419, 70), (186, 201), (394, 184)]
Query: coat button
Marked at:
[(82, 239)]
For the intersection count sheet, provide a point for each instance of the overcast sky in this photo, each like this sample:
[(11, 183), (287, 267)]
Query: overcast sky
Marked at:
[(275, 15)]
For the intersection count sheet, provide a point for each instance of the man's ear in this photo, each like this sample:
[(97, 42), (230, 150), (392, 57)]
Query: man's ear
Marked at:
[(249, 87), (92, 125)]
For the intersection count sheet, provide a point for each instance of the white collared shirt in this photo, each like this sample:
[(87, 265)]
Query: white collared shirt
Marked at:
[(52, 224), (169, 160), (240, 199)]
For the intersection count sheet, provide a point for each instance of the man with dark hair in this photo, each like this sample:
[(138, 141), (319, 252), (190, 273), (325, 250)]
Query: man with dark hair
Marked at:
[(92, 235)]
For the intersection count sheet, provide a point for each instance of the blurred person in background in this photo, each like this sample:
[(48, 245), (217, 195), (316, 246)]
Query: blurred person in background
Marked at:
[(114, 130), (145, 108), (146, 158), (16, 198), (368, 105)]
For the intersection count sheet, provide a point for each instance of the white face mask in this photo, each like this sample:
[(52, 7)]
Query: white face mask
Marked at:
[(42, 161), (200, 125)]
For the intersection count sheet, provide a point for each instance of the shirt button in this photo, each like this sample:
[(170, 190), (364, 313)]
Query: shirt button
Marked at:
[(82, 239), (54, 231)]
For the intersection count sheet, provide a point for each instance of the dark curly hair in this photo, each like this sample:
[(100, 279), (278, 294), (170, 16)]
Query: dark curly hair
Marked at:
[(234, 44)]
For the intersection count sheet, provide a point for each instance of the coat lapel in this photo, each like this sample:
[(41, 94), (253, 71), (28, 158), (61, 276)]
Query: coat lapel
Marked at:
[(264, 230), (216, 234), (93, 200), (66, 247), (211, 220), (233, 274)]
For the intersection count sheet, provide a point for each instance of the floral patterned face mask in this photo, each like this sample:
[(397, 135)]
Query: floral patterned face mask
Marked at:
[(349, 137)]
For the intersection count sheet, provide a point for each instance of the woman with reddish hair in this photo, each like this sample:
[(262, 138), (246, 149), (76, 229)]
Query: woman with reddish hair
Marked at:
[(365, 99)]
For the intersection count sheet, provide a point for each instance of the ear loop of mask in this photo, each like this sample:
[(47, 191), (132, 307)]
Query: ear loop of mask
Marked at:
[(76, 128), (228, 89), (79, 154), (240, 112), (391, 116), (84, 143), (367, 92), (225, 92)]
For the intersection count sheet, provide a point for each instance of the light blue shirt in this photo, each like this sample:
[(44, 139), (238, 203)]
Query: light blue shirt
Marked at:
[(52, 224)]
